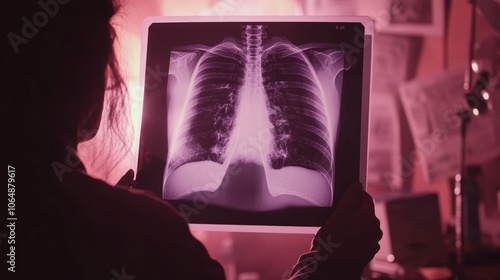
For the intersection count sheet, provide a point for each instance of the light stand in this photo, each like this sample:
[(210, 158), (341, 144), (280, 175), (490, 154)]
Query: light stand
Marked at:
[(459, 191), (459, 178), (477, 97)]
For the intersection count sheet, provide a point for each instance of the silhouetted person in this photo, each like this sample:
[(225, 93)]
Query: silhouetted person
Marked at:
[(58, 62)]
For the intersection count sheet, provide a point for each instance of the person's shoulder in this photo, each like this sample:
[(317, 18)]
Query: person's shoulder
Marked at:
[(135, 205), (115, 227)]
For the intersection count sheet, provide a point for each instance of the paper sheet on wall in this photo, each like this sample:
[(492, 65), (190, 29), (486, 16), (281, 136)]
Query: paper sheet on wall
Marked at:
[(390, 62), (390, 69), (431, 105), (384, 146)]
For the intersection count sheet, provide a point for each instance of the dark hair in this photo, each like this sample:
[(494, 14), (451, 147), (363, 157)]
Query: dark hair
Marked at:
[(63, 69)]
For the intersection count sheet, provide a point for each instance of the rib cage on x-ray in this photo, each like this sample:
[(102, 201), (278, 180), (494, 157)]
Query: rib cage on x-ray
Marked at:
[(258, 101)]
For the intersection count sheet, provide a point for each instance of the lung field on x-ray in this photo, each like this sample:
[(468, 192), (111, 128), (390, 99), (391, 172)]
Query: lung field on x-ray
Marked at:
[(253, 122)]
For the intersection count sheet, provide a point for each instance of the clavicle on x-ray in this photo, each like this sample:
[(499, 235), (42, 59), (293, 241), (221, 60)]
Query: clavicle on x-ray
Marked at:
[(253, 121)]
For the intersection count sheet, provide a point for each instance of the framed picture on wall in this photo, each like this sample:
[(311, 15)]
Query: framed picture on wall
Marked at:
[(406, 17)]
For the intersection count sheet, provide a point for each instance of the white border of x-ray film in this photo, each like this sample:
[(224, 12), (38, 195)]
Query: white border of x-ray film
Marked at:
[(367, 62)]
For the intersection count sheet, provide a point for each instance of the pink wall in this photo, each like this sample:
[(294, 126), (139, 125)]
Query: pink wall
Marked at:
[(434, 53), (261, 250)]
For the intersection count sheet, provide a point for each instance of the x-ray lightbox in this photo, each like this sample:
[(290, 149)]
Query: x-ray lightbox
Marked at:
[(254, 123)]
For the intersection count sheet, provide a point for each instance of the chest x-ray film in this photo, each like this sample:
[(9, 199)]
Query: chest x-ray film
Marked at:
[(254, 123)]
